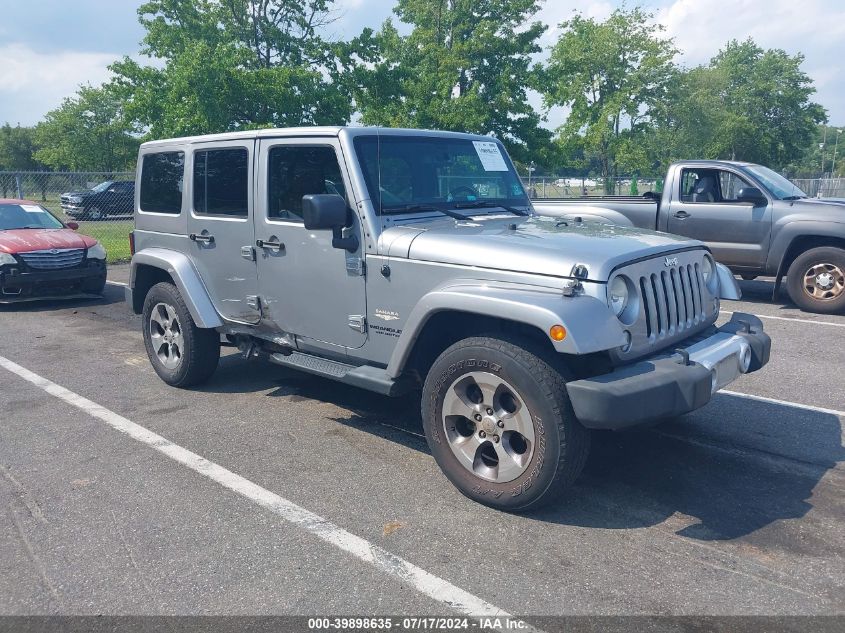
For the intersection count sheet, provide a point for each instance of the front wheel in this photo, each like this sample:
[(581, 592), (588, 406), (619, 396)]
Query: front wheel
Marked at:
[(181, 353), (499, 423), (816, 280)]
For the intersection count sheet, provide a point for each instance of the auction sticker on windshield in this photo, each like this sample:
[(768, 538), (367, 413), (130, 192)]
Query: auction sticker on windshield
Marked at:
[(490, 156), (32, 208)]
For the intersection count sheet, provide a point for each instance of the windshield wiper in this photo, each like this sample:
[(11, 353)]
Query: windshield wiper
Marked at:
[(483, 204), (411, 208)]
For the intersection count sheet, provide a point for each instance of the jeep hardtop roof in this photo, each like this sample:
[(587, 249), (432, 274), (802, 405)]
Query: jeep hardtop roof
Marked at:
[(310, 131)]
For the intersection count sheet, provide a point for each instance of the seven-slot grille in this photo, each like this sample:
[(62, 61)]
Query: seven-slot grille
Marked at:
[(672, 300), (53, 259)]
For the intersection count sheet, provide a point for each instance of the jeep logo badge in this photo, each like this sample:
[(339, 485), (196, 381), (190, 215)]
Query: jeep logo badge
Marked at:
[(670, 261)]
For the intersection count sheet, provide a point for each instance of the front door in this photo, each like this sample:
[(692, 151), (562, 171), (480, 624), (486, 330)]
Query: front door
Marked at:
[(221, 227), (707, 209), (307, 287)]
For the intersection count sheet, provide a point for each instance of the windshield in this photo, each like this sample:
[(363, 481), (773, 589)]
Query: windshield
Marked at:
[(26, 216), (102, 186), (779, 186), (413, 173)]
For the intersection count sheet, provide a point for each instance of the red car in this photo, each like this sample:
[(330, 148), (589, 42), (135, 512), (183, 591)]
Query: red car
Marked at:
[(43, 258)]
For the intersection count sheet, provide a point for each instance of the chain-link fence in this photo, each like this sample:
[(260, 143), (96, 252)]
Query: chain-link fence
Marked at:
[(572, 187), (540, 187), (100, 202)]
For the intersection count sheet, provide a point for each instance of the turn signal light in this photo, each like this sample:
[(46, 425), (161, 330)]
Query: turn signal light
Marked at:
[(557, 332)]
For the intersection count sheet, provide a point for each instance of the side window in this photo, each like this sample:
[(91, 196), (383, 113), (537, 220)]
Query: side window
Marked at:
[(730, 184), (296, 171), (688, 178), (161, 182), (221, 182), (700, 185)]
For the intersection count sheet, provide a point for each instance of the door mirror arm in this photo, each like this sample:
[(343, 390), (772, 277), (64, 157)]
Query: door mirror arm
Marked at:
[(348, 243)]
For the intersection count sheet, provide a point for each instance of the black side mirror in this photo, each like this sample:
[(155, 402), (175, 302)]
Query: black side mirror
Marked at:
[(752, 195), (328, 211)]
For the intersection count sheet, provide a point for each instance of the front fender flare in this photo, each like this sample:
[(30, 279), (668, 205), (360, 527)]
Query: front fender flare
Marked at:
[(589, 324), (187, 280)]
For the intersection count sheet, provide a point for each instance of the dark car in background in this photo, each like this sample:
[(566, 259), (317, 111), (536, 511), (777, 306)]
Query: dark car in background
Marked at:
[(44, 258), (112, 198)]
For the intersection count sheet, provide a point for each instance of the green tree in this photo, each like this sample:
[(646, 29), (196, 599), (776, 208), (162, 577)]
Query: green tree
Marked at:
[(232, 64), (613, 76), (465, 65), (746, 104), (18, 148), (88, 132)]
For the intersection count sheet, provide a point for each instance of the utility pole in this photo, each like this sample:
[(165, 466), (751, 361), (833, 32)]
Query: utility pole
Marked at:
[(835, 147), (821, 148)]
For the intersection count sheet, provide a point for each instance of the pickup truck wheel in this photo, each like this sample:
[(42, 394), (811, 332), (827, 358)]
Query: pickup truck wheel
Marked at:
[(181, 353), (95, 213), (816, 280), (499, 423)]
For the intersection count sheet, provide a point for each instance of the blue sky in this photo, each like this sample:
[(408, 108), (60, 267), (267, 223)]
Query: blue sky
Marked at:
[(46, 53)]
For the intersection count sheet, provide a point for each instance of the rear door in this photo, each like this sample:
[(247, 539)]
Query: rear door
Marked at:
[(738, 233), (308, 287), (221, 228)]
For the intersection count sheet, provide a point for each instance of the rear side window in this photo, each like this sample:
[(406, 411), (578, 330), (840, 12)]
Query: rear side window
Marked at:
[(221, 182), (161, 182), (296, 171)]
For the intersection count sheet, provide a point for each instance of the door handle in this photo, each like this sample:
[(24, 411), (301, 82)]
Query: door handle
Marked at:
[(681, 215), (196, 237), (272, 245)]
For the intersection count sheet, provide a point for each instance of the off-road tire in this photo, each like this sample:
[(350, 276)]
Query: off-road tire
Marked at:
[(200, 351), (804, 263), (561, 443)]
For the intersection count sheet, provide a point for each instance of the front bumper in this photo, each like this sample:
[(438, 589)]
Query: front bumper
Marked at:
[(73, 210), (673, 383), (18, 285)]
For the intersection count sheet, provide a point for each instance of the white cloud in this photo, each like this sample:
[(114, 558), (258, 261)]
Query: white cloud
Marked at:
[(34, 83)]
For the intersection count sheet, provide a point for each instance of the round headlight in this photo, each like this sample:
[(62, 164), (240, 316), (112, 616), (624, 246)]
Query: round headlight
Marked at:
[(617, 295), (707, 269)]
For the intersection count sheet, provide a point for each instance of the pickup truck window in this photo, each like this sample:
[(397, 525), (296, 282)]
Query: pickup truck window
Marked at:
[(161, 182), (730, 184), (418, 171), (221, 182), (296, 171)]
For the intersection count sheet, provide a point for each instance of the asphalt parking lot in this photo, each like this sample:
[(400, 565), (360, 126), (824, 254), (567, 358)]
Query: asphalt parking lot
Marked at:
[(738, 508)]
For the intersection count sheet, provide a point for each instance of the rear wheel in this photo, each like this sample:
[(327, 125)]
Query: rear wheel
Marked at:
[(181, 353), (816, 280), (499, 423)]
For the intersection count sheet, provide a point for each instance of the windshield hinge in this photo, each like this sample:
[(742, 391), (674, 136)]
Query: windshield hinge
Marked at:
[(356, 266), (358, 322)]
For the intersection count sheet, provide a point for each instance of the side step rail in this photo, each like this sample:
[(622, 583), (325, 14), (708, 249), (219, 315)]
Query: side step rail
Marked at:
[(363, 376)]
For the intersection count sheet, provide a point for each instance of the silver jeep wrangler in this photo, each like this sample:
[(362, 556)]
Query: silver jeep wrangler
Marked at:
[(404, 260)]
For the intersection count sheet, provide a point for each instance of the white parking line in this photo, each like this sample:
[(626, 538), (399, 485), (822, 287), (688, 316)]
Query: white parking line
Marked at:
[(116, 283), (785, 403), (421, 580), (777, 318)]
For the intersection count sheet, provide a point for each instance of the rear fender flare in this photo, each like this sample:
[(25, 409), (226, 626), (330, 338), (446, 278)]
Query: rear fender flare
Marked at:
[(187, 280)]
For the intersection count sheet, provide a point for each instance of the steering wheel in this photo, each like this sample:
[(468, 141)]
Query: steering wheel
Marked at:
[(456, 191)]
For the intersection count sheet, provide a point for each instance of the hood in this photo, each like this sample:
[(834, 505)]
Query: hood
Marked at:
[(23, 240), (78, 194), (816, 209), (540, 245)]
